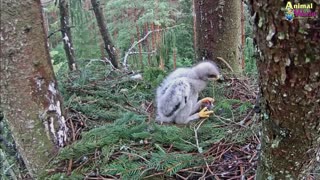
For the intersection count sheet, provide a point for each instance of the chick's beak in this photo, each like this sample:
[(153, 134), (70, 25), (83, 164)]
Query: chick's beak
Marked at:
[(220, 78)]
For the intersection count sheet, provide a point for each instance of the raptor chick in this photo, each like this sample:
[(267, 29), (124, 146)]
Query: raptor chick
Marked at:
[(177, 96)]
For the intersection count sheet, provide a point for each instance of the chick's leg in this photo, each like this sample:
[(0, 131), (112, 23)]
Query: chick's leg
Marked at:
[(196, 108), (196, 112), (204, 113), (206, 99)]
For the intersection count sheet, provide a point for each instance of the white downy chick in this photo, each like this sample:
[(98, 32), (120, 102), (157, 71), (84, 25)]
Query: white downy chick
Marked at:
[(177, 96)]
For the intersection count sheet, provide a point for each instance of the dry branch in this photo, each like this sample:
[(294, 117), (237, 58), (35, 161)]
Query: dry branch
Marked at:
[(125, 59)]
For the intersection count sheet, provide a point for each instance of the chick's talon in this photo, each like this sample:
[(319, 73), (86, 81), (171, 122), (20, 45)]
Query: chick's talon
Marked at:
[(204, 113), (206, 99)]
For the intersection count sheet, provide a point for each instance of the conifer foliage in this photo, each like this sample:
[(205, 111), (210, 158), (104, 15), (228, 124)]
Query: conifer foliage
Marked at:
[(115, 135)]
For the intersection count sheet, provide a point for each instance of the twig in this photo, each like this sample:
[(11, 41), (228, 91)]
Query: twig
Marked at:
[(51, 34), (224, 152), (98, 178), (220, 118), (225, 62), (208, 168), (190, 168), (105, 60), (195, 129), (108, 61), (152, 52), (136, 155), (181, 176), (243, 122), (125, 59), (149, 106), (152, 175), (171, 145), (188, 142), (81, 165), (203, 177), (69, 167)]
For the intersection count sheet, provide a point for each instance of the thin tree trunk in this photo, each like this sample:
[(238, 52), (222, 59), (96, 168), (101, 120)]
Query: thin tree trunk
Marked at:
[(218, 31), (109, 46), (194, 14), (66, 34), (30, 100), (153, 37), (102, 50), (289, 68), (243, 37), (147, 44), (174, 58), (140, 47), (136, 15)]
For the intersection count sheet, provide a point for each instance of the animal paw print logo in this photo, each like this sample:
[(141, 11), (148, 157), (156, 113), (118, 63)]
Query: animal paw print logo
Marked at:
[(289, 14)]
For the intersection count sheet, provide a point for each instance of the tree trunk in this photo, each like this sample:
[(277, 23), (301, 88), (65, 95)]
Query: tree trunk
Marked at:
[(218, 31), (30, 100), (140, 48), (194, 28), (289, 68), (243, 37), (105, 33), (147, 44), (66, 34)]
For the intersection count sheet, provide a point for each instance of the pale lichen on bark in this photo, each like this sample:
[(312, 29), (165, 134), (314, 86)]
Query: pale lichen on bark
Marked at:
[(66, 34), (52, 115)]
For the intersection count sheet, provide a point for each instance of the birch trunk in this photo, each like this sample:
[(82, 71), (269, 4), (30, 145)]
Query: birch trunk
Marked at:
[(66, 34)]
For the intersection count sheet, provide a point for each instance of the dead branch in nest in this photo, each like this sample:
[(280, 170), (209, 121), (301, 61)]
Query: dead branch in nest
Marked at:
[(226, 63), (242, 88)]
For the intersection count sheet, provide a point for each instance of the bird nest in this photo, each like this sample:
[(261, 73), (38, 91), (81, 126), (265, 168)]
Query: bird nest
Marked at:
[(234, 156)]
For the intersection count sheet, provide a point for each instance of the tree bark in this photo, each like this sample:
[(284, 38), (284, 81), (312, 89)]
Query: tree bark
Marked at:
[(109, 46), (66, 34), (140, 48), (30, 100), (194, 28), (289, 68), (218, 31)]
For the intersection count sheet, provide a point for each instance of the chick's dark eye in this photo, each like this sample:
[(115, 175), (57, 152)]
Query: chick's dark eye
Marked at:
[(212, 76)]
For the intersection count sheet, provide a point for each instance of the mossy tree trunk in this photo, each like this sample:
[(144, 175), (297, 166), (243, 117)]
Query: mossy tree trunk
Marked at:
[(66, 34), (218, 31), (30, 100), (289, 68), (108, 44)]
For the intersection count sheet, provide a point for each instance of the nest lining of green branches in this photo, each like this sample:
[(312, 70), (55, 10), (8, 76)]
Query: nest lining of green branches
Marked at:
[(114, 136)]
